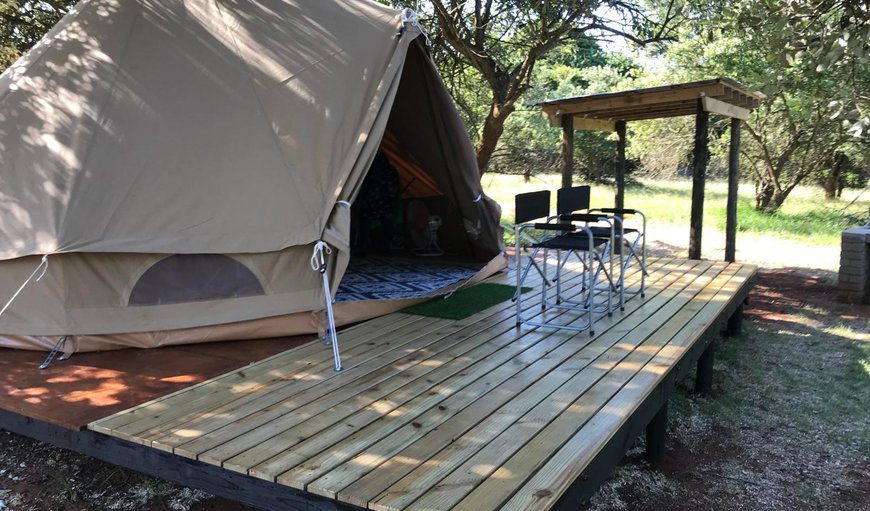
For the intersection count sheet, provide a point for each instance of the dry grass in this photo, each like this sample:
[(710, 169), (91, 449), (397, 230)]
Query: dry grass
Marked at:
[(805, 232)]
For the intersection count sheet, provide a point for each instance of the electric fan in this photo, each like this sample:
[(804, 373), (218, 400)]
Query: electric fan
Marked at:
[(423, 229)]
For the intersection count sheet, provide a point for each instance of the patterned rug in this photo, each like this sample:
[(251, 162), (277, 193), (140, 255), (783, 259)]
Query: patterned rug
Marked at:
[(374, 278)]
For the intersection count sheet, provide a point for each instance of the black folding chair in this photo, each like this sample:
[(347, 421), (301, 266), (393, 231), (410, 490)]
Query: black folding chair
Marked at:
[(577, 199), (629, 238), (572, 204), (558, 236)]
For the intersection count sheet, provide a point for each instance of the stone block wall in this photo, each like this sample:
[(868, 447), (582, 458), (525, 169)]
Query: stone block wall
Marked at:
[(854, 279)]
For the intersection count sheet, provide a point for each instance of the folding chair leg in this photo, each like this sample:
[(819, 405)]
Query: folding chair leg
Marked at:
[(527, 268), (544, 287), (520, 278)]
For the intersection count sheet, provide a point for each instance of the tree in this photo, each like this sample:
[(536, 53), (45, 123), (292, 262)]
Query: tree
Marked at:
[(805, 57), (503, 40), (24, 22), (794, 143), (818, 77), (530, 145)]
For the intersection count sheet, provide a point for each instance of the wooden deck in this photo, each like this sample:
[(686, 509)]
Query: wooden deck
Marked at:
[(438, 414)]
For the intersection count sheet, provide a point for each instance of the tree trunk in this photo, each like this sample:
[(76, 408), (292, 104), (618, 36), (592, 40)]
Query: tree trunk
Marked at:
[(768, 199), (493, 127), (831, 184), (764, 190), (830, 187), (776, 202)]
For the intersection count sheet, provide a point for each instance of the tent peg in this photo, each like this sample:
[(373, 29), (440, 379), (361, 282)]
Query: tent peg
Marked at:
[(58, 347)]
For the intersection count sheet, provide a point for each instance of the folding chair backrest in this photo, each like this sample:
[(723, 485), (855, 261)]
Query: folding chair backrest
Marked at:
[(569, 200), (532, 206)]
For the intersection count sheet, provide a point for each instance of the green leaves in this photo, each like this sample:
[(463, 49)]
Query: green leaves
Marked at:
[(24, 22)]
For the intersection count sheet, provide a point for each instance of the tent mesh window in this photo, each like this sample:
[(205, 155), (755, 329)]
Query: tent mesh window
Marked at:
[(194, 277)]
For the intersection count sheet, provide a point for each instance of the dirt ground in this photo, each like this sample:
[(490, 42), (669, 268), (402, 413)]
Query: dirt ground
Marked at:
[(787, 427)]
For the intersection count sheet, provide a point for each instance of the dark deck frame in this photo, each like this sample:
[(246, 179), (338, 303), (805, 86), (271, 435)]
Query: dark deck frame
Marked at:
[(247, 490)]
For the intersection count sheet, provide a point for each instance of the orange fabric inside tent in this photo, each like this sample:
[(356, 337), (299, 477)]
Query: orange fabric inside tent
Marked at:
[(416, 182)]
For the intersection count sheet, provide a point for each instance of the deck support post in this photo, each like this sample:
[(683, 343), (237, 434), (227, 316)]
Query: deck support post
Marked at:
[(620, 165), (735, 323), (567, 150), (656, 435), (704, 376), (733, 182), (699, 176)]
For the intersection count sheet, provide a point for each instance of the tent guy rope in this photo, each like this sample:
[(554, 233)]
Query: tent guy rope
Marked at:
[(43, 266)]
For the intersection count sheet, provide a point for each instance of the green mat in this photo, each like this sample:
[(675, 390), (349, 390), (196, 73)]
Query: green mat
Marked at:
[(465, 302)]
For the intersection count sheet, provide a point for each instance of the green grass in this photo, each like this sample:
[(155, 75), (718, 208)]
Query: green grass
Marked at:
[(806, 216)]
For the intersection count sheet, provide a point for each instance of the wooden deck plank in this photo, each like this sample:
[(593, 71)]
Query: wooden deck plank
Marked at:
[(364, 426), (425, 419), (246, 437), (440, 414), (280, 434), (287, 399), (207, 412), (592, 410), (261, 373), (618, 364), (465, 471), (399, 457)]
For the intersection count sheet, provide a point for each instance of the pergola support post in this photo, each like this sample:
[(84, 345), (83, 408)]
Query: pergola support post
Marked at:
[(620, 165), (733, 181), (699, 175), (567, 150)]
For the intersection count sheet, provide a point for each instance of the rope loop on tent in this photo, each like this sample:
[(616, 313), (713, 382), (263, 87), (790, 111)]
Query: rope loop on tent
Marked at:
[(318, 258), (40, 269), (409, 16)]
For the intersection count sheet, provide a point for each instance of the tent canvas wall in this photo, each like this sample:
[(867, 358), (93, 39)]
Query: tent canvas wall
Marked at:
[(177, 160)]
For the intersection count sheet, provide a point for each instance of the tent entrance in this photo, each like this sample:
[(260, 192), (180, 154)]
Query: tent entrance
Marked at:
[(423, 180), (400, 209), (407, 240)]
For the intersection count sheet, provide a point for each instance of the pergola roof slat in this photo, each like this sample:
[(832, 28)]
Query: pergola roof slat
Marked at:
[(654, 102)]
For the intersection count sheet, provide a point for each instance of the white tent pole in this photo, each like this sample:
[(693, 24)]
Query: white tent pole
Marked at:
[(318, 263)]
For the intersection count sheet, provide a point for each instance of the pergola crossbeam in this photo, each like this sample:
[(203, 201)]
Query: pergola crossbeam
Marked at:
[(584, 124), (715, 106)]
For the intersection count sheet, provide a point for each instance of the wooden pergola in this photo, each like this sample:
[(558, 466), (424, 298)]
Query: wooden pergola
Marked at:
[(611, 111)]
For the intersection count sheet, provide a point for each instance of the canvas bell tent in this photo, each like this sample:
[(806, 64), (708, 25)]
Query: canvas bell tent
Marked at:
[(168, 166)]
